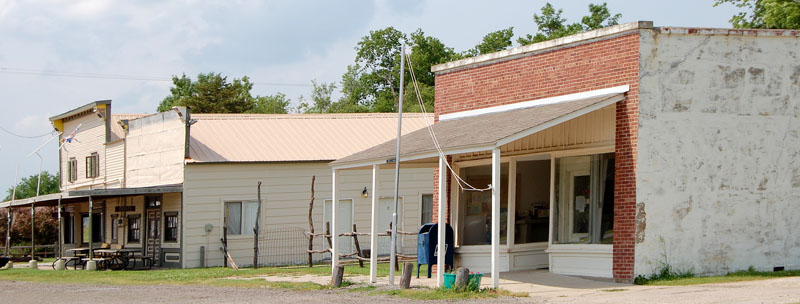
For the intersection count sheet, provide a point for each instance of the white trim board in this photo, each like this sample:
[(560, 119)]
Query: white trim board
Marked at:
[(537, 102)]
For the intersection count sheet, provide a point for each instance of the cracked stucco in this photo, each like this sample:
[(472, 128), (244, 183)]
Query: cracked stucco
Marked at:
[(718, 152)]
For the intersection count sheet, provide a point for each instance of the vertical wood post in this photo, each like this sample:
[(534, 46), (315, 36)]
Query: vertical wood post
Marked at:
[(256, 228), (91, 232), (334, 236), (405, 278), (328, 235), (60, 231), (373, 237), (336, 275), (33, 228), (442, 250), (225, 242), (8, 231), (462, 278), (496, 187), (358, 247), (311, 225)]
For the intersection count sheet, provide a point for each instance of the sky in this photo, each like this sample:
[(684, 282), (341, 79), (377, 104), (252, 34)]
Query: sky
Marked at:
[(281, 45)]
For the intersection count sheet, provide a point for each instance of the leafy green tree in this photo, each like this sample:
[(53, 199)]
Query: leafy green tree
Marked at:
[(46, 224), (26, 188), (320, 98), (271, 104), (551, 25), (767, 14), (493, 42), (212, 93), (379, 54)]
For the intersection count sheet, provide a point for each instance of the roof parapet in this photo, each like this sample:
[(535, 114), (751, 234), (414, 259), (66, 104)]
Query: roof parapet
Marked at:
[(522, 50)]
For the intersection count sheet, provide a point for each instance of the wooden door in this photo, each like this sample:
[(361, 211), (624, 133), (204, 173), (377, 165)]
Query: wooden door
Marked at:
[(154, 236)]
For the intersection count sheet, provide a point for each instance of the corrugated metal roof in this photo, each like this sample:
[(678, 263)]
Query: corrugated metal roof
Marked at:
[(116, 129), (292, 137), (476, 131)]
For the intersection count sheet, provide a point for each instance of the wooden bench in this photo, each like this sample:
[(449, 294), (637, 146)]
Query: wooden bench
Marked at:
[(147, 262)]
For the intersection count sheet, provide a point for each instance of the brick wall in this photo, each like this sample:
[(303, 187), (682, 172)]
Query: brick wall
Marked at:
[(584, 67)]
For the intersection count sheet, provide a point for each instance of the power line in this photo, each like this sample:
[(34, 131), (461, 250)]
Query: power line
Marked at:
[(32, 72), (23, 136)]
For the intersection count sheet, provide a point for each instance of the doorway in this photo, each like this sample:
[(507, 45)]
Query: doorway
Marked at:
[(344, 223)]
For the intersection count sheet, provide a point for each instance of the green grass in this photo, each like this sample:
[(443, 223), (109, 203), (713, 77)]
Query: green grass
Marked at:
[(739, 276), (362, 288), (447, 294)]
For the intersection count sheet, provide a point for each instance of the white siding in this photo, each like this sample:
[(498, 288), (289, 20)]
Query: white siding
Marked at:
[(90, 138), (285, 194), (115, 164)]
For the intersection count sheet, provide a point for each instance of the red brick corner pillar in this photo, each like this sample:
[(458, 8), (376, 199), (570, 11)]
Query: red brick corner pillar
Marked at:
[(436, 194), (627, 134)]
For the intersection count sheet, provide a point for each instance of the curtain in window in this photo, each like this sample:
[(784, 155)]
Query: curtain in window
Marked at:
[(234, 218), (249, 217)]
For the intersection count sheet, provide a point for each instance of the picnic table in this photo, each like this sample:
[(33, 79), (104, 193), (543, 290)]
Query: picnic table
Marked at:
[(116, 259)]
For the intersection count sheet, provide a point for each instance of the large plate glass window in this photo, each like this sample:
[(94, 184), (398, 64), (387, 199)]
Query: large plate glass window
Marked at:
[(477, 205), (532, 207), (584, 194)]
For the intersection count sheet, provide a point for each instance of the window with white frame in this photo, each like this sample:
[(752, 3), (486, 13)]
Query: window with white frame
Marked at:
[(584, 193), (240, 217), (93, 165), (427, 209), (476, 206), (72, 170)]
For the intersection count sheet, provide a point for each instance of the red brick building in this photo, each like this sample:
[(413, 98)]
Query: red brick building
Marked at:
[(614, 152)]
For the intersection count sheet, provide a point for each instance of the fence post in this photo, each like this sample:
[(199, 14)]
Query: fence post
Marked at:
[(358, 247), (311, 225), (256, 228)]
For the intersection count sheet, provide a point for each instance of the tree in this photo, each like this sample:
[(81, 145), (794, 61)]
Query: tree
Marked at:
[(320, 97), (46, 224), (271, 104), (551, 25), (379, 54), (27, 186), (493, 42), (768, 14), (212, 93)]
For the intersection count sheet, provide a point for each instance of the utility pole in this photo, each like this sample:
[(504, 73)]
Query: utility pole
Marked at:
[(393, 255)]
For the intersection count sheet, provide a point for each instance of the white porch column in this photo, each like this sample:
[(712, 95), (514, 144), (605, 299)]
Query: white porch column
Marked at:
[(441, 214), (373, 237), (495, 217), (334, 238)]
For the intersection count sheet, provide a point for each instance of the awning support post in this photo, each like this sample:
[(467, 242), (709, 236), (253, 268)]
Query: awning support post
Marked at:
[(91, 232), (373, 236), (33, 238), (334, 238), (441, 246), (496, 186), (60, 232)]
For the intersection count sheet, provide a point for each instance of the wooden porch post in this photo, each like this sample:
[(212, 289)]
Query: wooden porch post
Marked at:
[(442, 249), (60, 232), (373, 237), (33, 238), (496, 186), (334, 237), (8, 230), (91, 232)]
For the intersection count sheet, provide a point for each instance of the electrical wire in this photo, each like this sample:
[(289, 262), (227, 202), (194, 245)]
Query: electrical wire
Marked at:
[(23, 136), (462, 184), (118, 77)]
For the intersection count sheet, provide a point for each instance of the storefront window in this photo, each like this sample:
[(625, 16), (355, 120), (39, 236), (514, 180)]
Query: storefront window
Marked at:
[(477, 205), (584, 199), (532, 207)]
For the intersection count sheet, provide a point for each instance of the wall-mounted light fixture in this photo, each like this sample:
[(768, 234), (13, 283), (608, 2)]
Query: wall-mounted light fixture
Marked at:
[(364, 193)]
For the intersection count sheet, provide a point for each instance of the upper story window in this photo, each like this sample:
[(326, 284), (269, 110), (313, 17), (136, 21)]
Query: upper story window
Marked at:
[(72, 170), (92, 165)]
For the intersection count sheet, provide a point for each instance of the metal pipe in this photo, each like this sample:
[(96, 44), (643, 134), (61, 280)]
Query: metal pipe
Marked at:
[(91, 232), (393, 255), (60, 232), (33, 236)]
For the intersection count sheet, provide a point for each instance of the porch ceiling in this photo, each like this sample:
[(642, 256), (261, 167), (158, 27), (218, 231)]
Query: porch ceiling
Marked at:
[(487, 130), (45, 200)]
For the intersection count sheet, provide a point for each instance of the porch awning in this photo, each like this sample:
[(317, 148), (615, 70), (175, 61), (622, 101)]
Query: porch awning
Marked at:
[(479, 132), (44, 200), (100, 193)]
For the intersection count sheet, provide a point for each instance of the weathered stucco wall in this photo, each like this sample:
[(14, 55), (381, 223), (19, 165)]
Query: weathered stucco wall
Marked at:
[(155, 150), (718, 169)]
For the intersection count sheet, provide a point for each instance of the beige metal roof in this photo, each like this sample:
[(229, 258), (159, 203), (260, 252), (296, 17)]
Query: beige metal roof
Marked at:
[(292, 137), (480, 131), (116, 129)]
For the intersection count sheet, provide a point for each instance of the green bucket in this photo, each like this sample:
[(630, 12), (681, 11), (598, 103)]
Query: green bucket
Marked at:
[(473, 285)]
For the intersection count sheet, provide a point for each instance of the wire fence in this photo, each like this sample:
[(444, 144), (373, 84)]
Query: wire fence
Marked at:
[(287, 246)]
